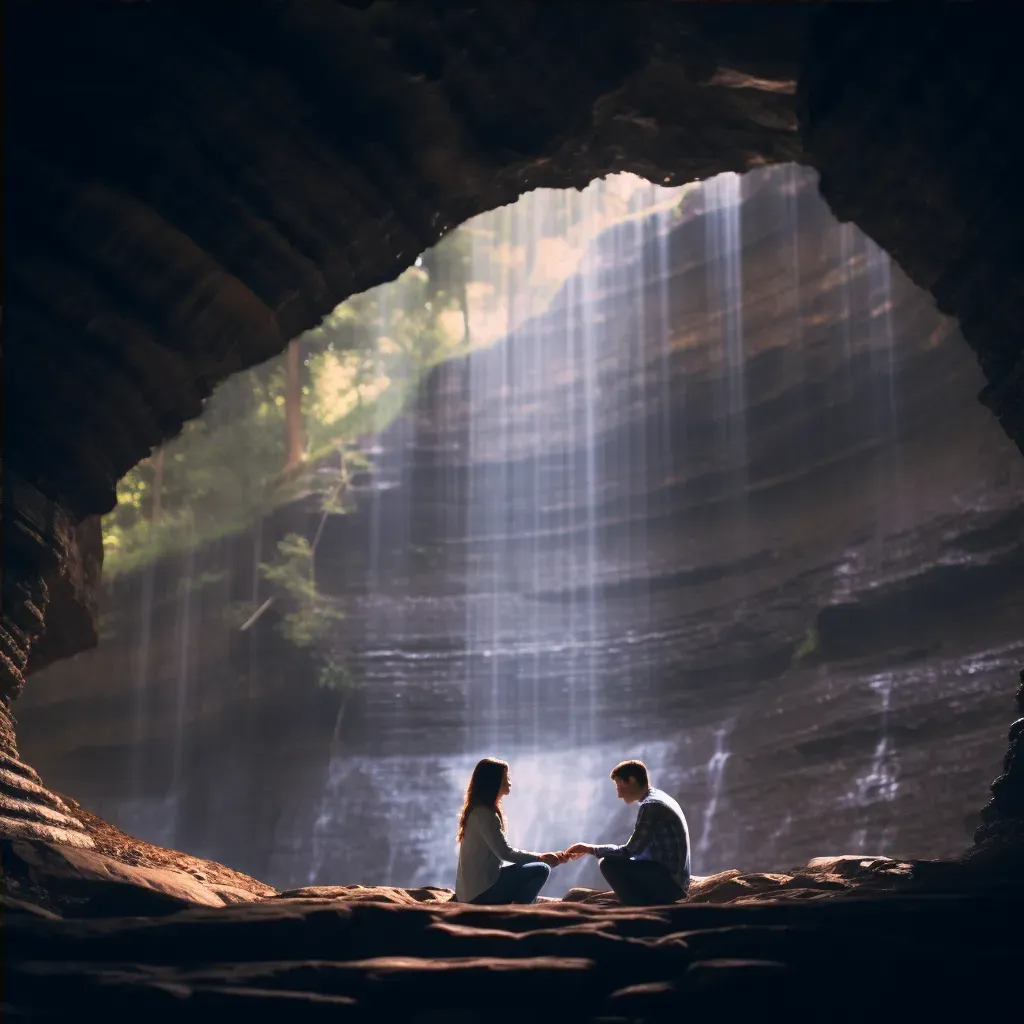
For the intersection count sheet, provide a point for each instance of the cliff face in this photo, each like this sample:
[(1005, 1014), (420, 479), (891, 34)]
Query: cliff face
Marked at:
[(728, 505)]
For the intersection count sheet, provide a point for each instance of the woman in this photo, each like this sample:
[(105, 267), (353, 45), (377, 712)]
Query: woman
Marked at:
[(482, 845)]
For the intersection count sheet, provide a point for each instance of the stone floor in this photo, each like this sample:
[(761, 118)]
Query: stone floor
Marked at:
[(843, 938)]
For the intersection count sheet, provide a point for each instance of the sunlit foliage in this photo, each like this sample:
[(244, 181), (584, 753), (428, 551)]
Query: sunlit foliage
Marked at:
[(358, 368)]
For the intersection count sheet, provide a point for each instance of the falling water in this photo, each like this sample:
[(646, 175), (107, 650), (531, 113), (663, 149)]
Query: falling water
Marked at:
[(594, 487), (881, 780), (879, 783), (538, 469), (141, 695), (540, 472), (846, 244), (722, 197), (715, 775), (663, 277), (185, 654), (879, 281)]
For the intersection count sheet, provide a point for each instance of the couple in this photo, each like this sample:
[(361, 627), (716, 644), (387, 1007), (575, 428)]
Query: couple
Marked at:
[(652, 868)]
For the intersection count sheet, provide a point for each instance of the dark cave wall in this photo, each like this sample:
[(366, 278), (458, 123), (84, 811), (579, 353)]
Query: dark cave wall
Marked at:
[(925, 174), (256, 174), (174, 232)]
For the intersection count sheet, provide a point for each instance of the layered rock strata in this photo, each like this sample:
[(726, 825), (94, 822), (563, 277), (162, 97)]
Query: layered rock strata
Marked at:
[(39, 554), (818, 613)]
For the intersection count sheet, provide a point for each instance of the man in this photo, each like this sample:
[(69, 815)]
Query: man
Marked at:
[(653, 867)]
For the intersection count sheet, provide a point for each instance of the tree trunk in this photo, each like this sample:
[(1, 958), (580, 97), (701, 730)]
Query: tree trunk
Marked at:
[(292, 408)]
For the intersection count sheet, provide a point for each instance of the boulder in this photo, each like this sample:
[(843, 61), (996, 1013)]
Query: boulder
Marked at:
[(849, 865), (370, 894), (581, 894), (716, 888), (232, 894), (90, 883)]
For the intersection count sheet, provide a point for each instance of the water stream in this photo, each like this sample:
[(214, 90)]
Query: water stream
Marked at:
[(693, 419), (547, 483)]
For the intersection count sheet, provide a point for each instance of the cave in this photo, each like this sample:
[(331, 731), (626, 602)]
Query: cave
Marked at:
[(770, 504)]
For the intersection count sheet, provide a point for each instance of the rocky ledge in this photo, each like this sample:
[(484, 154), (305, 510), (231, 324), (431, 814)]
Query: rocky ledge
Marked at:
[(843, 936), (315, 957)]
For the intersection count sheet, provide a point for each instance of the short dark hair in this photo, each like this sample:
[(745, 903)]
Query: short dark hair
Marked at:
[(631, 770)]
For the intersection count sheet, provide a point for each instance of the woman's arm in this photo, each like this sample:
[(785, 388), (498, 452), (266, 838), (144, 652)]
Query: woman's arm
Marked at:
[(494, 836)]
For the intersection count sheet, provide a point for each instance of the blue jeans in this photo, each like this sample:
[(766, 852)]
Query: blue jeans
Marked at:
[(640, 883), (517, 883)]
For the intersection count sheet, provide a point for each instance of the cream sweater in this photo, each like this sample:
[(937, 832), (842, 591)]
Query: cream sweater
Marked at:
[(481, 853)]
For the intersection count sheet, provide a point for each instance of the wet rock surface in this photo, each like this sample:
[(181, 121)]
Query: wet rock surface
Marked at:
[(140, 929), (843, 957), (110, 872), (101, 884)]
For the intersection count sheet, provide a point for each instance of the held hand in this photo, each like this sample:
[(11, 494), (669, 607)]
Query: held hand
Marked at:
[(578, 850), (551, 859)]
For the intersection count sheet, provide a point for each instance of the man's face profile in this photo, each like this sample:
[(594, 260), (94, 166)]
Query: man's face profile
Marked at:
[(627, 789)]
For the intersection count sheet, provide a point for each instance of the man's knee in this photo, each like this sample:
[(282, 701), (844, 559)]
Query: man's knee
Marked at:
[(611, 866), (539, 870)]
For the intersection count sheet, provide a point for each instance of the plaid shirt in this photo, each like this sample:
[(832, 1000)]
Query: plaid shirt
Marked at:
[(660, 834)]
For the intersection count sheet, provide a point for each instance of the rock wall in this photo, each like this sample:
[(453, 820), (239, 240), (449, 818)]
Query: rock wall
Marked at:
[(795, 589)]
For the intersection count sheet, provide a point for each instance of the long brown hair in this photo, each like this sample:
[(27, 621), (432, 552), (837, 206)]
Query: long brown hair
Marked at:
[(484, 790)]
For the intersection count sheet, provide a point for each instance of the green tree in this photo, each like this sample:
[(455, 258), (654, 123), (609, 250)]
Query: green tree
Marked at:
[(266, 433), (310, 617)]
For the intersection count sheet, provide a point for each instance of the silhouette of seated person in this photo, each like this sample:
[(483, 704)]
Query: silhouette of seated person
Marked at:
[(491, 871), (653, 866)]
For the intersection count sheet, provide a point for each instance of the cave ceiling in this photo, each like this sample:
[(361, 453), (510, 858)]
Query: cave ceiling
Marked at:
[(187, 188)]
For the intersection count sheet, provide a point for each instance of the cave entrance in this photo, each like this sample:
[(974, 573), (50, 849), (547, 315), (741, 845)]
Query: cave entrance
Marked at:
[(692, 474)]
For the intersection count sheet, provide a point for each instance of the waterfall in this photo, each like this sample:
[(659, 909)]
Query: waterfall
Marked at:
[(715, 775), (607, 509), (883, 349), (530, 469), (185, 653), (141, 688), (537, 633), (880, 782), (724, 256)]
